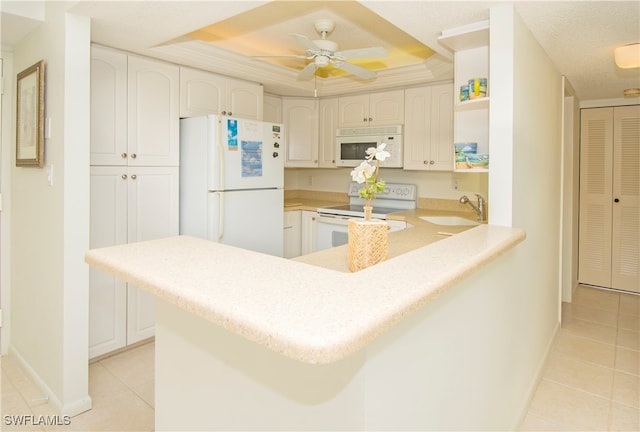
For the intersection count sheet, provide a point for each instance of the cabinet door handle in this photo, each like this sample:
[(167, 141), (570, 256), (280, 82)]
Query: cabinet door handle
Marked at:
[(123, 155), (364, 119), (425, 162), (432, 162), (230, 113), (224, 113), (124, 176), (133, 177), (370, 119), (616, 200), (133, 156)]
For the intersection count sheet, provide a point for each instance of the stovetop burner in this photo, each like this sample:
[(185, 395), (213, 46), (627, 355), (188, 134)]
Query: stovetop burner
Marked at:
[(357, 210)]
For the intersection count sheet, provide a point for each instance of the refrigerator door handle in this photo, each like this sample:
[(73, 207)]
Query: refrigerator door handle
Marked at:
[(221, 155), (221, 218)]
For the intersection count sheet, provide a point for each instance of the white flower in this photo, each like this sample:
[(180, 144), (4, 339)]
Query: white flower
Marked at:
[(378, 153), (362, 172)]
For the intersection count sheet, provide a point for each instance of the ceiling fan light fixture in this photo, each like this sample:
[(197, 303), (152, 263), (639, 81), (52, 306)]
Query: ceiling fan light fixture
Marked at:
[(627, 56), (322, 61)]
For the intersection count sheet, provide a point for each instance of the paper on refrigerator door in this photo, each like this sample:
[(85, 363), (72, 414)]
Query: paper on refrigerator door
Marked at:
[(251, 159), (232, 135)]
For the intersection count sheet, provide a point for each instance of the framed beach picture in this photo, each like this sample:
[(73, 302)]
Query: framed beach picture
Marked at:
[(30, 116)]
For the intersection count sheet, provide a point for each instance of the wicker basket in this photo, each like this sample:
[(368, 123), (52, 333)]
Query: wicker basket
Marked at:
[(367, 243)]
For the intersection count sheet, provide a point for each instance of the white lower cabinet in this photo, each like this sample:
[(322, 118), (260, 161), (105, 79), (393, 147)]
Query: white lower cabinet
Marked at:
[(308, 220), (292, 233), (128, 204), (299, 233)]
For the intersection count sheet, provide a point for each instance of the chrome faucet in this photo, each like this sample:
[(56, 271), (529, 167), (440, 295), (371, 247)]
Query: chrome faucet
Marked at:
[(480, 209)]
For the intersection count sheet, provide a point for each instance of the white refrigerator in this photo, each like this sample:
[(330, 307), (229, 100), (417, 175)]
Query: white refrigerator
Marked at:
[(231, 182)]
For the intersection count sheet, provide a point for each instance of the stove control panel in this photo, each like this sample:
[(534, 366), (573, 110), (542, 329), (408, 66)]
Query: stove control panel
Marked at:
[(392, 191)]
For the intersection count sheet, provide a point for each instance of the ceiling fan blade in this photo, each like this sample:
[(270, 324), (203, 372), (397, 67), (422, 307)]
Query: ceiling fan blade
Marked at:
[(305, 41), (308, 71), (373, 52), (354, 69), (281, 56)]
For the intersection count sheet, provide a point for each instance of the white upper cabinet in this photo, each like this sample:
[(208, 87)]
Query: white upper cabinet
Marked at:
[(375, 109), (108, 107), (300, 118), (134, 110), (153, 119), (204, 93), (428, 128), (327, 136), (272, 112)]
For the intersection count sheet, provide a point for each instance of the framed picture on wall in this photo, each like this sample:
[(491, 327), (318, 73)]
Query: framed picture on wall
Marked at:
[(30, 116)]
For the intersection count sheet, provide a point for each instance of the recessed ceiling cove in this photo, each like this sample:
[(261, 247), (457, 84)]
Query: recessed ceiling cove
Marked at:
[(266, 34)]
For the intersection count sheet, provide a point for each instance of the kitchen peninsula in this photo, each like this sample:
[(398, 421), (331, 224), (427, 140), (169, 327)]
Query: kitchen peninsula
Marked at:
[(248, 341)]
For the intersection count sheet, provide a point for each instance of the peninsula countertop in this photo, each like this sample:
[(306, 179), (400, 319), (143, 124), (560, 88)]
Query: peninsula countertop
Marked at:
[(305, 312)]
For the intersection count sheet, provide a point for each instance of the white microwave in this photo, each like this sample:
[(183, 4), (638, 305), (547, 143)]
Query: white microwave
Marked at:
[(352, 145)]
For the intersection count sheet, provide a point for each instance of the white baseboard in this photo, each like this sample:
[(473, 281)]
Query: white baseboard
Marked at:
[(524, 409), (71, 408)]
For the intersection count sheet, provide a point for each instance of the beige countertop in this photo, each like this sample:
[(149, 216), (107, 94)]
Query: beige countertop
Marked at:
[(420, 233), (308, 204), (306, 312)]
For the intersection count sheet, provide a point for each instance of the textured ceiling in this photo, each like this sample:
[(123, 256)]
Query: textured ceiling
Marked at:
[(266, 30), (579, 37)]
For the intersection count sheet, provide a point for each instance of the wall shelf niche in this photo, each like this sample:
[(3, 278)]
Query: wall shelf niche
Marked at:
[(470, 46)]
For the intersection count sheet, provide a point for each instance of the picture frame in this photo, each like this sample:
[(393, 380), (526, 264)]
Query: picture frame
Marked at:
[(30, 116)]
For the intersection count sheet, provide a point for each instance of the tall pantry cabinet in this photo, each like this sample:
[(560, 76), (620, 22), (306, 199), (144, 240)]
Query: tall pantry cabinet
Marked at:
[(134, 183), (609, 236)]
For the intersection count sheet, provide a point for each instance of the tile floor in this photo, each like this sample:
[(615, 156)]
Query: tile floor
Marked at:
[(121, 389), (591, 380), (592, 377)]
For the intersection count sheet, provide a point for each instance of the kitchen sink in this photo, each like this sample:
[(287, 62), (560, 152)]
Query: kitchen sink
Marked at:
[(449, 220)]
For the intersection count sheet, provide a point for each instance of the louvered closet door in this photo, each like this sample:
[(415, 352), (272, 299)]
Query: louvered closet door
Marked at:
[(625, 249), (596, 157)]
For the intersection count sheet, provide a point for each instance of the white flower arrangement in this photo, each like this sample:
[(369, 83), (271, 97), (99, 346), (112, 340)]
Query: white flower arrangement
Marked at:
[(368, 171)]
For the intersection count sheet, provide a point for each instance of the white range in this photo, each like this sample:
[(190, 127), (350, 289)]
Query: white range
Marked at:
[(331, 228)]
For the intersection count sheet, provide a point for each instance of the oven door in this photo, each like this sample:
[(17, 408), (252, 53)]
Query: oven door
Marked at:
[(331, 231)]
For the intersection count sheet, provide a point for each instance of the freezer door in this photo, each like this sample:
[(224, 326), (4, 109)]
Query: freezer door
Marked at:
[(250, 219), (245, 154)]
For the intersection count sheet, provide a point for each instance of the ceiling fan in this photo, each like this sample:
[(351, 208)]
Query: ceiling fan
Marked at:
[(324, 52)]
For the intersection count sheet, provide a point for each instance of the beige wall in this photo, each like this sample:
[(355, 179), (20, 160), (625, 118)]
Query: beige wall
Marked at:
[(525, 185), (430, 184), (49, 223)]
